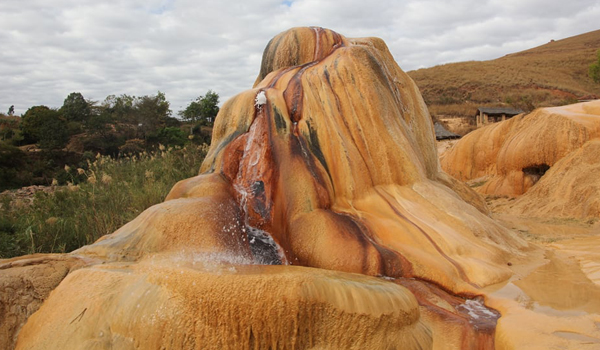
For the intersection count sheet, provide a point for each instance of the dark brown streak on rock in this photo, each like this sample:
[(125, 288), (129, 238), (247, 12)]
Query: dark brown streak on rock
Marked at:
[(321, 36), (339, 108), (460, 270), (267, 198), (269, 56), (256, 179), (280, 123), (391, 263), (345, 224), (376, 67), (80, 316), (279, 75), (293, 94), (483, 331), (315, 148), (299, 148)]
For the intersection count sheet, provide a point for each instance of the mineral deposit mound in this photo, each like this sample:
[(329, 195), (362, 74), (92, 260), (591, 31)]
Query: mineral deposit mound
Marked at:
[(321, 219), (556, 149)]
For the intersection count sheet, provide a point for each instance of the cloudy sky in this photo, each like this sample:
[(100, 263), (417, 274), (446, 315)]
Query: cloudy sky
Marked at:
[(186, 47)]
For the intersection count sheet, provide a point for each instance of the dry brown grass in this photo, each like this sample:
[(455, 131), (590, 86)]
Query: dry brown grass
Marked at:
[(549, 75), (453, 109)]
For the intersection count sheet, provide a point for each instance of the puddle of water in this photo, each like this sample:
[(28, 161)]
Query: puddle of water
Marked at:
[(513, 292), (561, 285)]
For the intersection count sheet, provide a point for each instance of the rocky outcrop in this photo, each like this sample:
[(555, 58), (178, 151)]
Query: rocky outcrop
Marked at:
[(329, 163), (197, 304), (570, 188), (511, 156), (24, 285)]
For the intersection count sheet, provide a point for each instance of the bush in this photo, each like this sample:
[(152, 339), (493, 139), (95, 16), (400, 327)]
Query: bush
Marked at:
[(103, 144), (11, 158), (169, 136), (201, 134), (594, 70), (46, 126), (132, 147)]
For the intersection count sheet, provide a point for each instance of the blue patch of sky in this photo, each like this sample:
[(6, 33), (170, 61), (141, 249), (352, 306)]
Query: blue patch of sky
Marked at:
[(164, 6), (287, 3)]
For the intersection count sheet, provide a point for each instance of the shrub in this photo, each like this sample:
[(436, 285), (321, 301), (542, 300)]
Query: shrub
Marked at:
[(132, 147), (169, 136), (11, 158), (594, 70)]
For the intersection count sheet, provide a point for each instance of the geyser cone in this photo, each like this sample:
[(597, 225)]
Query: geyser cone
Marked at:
[(333, 154)]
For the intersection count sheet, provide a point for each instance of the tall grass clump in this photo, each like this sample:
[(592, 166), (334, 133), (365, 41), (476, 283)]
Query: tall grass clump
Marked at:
[(98, 199)]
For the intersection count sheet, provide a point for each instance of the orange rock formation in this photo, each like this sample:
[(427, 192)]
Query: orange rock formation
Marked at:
[(514, 154), (328, 163)]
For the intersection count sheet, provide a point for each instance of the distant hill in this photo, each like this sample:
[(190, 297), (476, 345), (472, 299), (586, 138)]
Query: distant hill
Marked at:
[(552, 74)]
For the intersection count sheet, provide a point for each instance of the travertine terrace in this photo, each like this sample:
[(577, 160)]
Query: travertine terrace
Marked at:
[(556, 146)]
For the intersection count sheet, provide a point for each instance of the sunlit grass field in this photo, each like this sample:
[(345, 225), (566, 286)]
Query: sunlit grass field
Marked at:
[(101, 197)]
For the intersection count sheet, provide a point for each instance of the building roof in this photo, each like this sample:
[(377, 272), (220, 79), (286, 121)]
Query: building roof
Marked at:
[(499, 111), (442, 134), (587, 98)]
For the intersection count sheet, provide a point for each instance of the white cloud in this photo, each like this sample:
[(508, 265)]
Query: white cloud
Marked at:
[(185, 47)]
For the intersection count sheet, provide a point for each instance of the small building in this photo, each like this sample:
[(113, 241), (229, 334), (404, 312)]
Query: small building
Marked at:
[(487, 115), (442, 133)]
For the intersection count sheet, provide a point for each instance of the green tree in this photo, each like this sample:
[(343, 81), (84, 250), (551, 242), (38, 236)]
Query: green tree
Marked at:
[(45, 126), (191, 112), (76, 108), (151, 113), (204, 109), (595, 69), (99, 123), (121, 108), (9, 129)]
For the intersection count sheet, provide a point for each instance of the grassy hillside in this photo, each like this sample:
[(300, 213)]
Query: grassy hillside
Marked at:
[(552, 74)]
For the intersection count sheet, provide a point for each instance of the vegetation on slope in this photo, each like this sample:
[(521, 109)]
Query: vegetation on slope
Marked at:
[(98, 199), (549, 75), (35, 147)]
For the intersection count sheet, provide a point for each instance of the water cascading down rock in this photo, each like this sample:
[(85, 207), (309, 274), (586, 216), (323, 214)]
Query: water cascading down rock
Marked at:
[(320, 220)]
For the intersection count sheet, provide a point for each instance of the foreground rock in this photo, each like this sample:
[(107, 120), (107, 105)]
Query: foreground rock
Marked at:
[(24, 285), (329, 163), (195, 303)]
